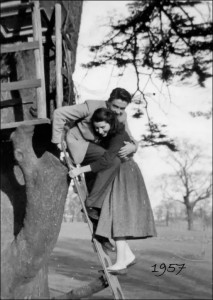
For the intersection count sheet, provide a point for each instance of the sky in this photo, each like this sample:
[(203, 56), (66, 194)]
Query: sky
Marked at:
[(172, 111)]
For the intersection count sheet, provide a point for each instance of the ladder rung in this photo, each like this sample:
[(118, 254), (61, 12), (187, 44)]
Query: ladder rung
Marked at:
[(19, 33), (19, 85), (13, 102), (14, 5), (12, 13), (19, 47), (27, 122)]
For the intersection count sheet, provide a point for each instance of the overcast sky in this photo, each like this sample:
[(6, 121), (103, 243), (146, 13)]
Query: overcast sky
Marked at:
[(174, 112)]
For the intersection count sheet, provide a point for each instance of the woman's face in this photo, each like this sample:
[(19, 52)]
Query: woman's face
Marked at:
[(102, 128)]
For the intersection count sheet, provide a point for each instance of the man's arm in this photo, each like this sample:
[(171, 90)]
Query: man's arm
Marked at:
[(130, 147), (66, 113)]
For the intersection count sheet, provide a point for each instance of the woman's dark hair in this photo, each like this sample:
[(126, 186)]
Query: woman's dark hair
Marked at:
[(119, 93), (105, 114)]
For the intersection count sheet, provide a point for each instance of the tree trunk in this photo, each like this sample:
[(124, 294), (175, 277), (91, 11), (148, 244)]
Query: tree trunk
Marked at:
[(32, 205), (190, 217), (167, 218), (36, 195)]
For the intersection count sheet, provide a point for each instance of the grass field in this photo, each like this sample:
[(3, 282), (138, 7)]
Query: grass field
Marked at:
[(73, 263)]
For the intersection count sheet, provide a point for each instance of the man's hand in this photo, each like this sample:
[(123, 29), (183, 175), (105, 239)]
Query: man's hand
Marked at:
[(59, 147), (75, 172), (127, 149)]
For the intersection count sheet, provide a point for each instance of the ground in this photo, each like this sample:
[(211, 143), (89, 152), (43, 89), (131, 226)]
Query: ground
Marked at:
[(73, 263)]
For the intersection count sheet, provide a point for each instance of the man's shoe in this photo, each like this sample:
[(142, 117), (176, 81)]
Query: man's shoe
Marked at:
[(93, 213), (106, 245)]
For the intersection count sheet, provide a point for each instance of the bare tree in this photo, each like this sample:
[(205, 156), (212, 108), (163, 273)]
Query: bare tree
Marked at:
[(165, 211), (189, 183), (168, 208)]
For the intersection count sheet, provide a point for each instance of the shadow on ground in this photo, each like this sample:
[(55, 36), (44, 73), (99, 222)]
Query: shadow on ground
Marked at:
[(73, 263)]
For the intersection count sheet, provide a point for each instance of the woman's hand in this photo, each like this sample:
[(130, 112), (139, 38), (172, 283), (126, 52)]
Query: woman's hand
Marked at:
[(127, 149), (75, 172)]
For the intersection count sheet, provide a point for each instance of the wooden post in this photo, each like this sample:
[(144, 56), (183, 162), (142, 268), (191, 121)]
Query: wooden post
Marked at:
[(39, 61), (58, 41)]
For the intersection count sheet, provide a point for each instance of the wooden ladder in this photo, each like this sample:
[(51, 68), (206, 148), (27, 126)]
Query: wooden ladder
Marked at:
[(104, 259), (10, 7)]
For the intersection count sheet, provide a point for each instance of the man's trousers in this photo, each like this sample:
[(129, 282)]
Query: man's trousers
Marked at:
[(102, 185)]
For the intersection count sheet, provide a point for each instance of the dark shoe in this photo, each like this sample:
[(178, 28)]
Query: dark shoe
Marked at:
[(132, 263), (117, 272), (93, 213), (106, 245)]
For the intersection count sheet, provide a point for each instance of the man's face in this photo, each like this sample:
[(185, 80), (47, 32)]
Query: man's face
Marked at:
[(118, 106)]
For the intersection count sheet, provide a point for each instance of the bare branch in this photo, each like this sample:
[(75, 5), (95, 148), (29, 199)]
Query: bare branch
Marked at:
[(88, 290)]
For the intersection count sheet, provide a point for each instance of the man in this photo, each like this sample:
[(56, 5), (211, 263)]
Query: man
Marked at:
[(83, 144)]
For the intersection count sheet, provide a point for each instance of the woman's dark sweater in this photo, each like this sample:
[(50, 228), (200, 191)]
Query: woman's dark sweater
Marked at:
[(112, 144)]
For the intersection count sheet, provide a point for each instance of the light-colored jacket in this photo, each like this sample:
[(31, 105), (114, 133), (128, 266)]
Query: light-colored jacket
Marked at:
[(79, 136)]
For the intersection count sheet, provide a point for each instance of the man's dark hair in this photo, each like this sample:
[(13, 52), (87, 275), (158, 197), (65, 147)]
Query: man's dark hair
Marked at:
[(119, 93)]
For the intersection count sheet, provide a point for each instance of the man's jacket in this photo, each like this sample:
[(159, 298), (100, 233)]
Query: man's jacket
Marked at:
[(81, 134)]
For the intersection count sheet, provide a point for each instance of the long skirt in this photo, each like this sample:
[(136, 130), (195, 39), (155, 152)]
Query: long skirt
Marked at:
[(126, 210)]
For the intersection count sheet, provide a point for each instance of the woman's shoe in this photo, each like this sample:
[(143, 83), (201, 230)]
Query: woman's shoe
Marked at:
[(118, 271), (133, 262)]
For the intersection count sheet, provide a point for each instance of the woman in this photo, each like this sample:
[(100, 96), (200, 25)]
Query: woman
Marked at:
[(126, 212)]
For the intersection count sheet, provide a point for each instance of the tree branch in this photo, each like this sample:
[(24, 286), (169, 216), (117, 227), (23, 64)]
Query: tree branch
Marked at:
[(88, 290)]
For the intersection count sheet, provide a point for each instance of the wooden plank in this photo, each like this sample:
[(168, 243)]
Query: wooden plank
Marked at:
[(19, 85), (27, 122), (14, 5), (12, 13), (19, 47), (58, 49), (13, 102), (23, 32), (39, 61)]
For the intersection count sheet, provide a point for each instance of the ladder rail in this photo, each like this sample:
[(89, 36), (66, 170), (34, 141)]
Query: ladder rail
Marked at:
[(19, 47), (103, 257), (39, 61)]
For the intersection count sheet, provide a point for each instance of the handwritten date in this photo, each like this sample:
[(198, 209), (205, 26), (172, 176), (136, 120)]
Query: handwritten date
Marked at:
[(171, 268)]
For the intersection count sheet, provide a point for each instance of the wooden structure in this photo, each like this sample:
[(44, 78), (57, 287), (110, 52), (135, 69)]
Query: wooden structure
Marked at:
[(10, 9), (37, 35)]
